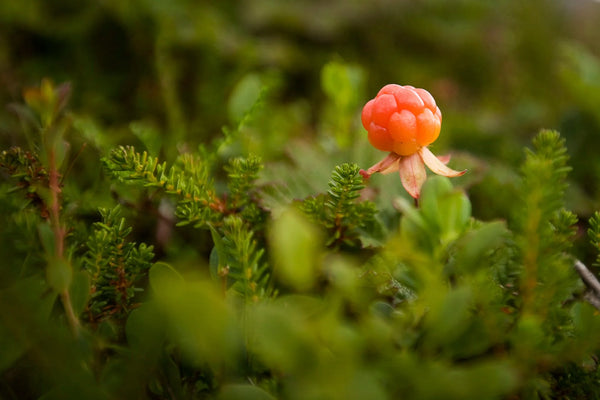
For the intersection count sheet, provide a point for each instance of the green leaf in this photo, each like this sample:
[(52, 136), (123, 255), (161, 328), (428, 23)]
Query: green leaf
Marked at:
[(283, 333), (24, 307), (413, 223), (162, 273), (341, 211), (295, 244), (173, 377), (145, 329), (456, 212), (449, 318), (217, 254), (447, 210), (80, 291), (245, 94), (529, 340), (585, 321), (472, 248), (196, 317), (432, 193), (47, 238), (59, 274)]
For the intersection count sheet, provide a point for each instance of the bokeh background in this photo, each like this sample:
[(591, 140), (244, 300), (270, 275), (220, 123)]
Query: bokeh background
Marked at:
[(182, 70)]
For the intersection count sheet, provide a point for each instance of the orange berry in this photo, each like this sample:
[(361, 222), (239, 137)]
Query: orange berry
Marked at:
[(401, 119), (380, 138), (383, 108), (405, 148), (428, 126), (402, 126), (408, 99)]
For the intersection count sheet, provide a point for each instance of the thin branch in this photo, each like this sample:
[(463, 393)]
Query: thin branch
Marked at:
[(59, 234), (588, 277), (592, 295), (592, 298), (65, 297)]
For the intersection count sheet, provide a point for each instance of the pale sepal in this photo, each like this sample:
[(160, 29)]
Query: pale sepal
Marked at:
[(385, 166), (445, 158), (412, 174), (436, 165)]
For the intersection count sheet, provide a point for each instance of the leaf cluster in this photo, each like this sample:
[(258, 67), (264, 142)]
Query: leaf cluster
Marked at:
[(243, 198), (322, 298), (187, 180), (234, 219), (339, 211), (116, 266), (239, 263), (545, 229), (28, 173)]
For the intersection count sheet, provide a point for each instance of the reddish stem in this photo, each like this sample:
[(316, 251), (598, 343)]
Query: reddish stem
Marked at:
[(54, 209), (59, 234)]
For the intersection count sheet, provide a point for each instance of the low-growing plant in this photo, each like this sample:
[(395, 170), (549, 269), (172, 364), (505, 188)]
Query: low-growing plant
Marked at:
[(321, 297)]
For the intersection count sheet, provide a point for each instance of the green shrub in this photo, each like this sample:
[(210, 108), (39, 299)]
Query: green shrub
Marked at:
[(208, 277)]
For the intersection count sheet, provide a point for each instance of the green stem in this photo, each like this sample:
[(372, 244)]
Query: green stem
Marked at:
[(72, 319)]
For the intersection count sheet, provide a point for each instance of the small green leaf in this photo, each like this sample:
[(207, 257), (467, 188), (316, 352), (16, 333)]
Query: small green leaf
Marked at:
[(446, 210), (448, 319), (24, 307), (173, 375), (61, 149), (455, 212), (217, 254), (59, 274), (245, 94), (144, 328), (474, 245), (529, 339), (283, 333), (162, 273), (47, 238), (195, 315), (433, 191), (295, 244), (80, 291), (413, 225)]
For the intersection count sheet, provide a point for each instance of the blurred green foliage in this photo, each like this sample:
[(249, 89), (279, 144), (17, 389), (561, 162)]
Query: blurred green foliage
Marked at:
[(183, 70), (193, 225)]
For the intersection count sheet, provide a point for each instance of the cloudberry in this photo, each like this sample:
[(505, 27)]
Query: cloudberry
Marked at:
[(404, 120)]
